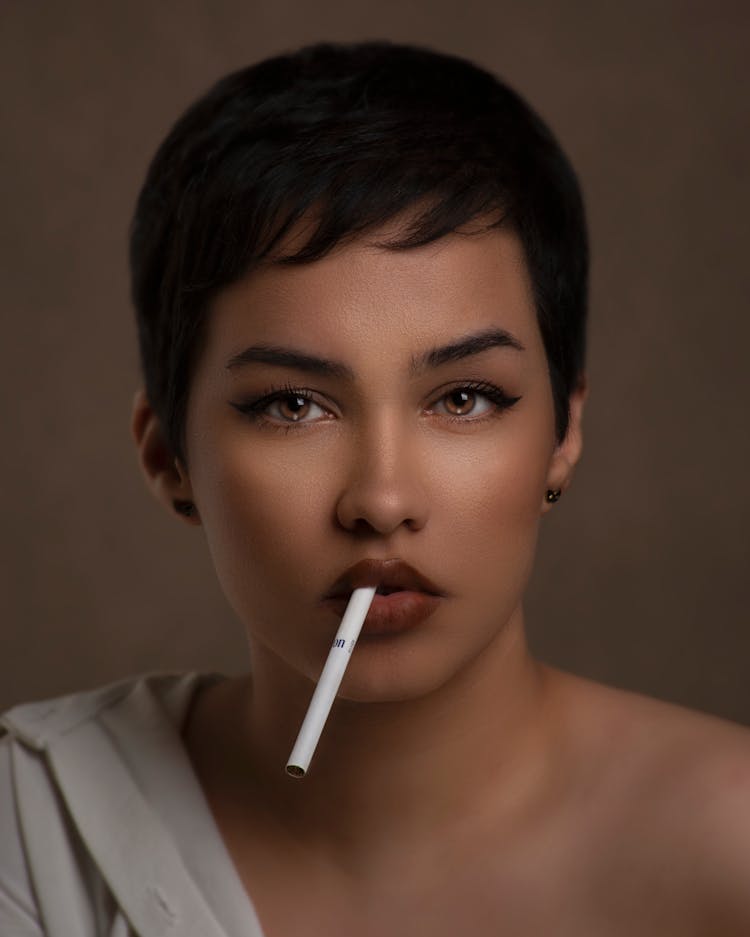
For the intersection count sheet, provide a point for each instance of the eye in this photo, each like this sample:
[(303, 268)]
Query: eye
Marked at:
[(463, 402), (282, 408), (291, 408), (474, 401)]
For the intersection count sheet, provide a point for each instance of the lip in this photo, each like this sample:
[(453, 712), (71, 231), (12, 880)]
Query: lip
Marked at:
[(415, 596), (393, 574), (391, 614)]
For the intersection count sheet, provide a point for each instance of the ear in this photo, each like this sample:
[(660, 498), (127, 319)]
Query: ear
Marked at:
[(165, 475), (568, 452)]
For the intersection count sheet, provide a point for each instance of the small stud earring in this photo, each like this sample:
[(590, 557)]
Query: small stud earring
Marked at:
[(186, 508), (553, 494)]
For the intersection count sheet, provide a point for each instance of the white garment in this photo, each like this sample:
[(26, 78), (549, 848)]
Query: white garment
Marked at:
[(104, 830)]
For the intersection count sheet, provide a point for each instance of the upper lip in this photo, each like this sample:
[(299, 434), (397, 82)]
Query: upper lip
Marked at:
[(390, 574)]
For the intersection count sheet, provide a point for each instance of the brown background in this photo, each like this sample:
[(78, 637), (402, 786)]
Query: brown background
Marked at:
[(643, 568)]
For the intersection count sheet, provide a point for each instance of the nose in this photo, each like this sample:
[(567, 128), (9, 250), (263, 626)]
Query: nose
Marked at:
[(384, 483)]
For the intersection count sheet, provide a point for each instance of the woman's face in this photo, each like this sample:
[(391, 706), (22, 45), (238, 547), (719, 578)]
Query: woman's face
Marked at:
[(394, 454)]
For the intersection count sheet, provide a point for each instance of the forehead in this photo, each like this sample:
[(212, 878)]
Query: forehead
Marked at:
[(367, 303)]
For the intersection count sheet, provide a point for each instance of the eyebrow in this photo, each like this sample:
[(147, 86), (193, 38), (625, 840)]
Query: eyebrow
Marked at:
[(472, 344)]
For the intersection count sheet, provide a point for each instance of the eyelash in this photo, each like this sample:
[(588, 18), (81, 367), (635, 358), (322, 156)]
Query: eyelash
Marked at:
[(254, 408)]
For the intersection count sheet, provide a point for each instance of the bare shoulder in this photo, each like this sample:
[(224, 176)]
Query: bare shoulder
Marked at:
[(675, 789)]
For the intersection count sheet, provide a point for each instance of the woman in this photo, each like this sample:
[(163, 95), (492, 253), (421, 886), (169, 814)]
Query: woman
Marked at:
[(360, 279)]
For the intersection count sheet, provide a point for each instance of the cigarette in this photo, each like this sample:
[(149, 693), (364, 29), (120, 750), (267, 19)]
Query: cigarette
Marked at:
[(330, 680)]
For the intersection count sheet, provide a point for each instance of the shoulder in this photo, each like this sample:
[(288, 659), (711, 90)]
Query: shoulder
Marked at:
[(39, 724), (677, 787), (704, 799), (18, 911), (70, 769)]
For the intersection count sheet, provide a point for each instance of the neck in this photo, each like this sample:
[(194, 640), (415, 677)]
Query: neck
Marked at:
[(385, 773)]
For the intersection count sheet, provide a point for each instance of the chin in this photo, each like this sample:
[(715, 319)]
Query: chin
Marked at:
[(397, 674)]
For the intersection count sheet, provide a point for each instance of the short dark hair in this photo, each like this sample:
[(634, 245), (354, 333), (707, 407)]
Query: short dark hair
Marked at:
[(351, 135)]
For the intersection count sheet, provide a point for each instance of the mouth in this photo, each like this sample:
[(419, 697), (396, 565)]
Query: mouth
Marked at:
[(388, 576), (404, 597)]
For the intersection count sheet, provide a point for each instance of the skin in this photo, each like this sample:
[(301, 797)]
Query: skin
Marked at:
[(457, 779)]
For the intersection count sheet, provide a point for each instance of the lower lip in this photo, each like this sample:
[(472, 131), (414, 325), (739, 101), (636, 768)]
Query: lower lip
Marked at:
[(392, 614)]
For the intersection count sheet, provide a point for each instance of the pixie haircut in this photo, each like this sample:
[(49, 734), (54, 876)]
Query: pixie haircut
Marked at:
[(347, 137)]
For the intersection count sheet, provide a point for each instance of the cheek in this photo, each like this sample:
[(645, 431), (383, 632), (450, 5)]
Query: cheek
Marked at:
[(495, 508), (260, 515), (500, 481)]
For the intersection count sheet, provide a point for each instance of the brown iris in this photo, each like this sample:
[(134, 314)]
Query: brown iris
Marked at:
[(299, 401), (465, 396)]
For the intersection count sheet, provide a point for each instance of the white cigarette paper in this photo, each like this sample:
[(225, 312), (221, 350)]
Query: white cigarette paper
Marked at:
[(330, 680)]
